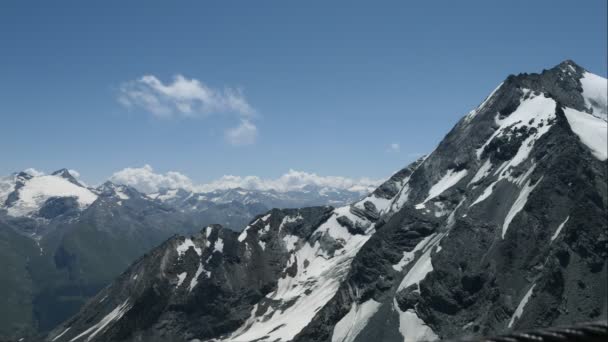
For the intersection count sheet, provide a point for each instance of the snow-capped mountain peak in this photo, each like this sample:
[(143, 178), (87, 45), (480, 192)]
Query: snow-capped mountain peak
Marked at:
[(26, 194), (68, 175)]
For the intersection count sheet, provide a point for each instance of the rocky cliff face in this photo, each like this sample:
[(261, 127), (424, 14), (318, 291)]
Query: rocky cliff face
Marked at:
[(502, 227)]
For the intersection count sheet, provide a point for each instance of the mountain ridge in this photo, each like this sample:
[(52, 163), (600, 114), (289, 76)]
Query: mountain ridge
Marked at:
[(501, 227), (62, 241)]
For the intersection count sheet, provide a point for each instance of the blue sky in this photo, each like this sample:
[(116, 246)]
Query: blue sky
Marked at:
[(329, 86)]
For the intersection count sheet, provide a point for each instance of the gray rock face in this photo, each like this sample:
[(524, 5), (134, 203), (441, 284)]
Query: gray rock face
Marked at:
[(503, 227)]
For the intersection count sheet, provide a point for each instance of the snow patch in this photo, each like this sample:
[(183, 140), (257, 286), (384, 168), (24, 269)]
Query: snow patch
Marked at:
[(347, 329), (381, 204), (409, 256), (520, 308), (559, 229), (482, 172), (290, 242), (402, 197), (534, 112), (485, 194), (450, 179), (243, 234), (288, 220), (518, 205), (113, 316), (39, 189), (423, 265), (184, 246), (595, 90), (63, 333), (180, 278), (592, 131), (218, 246), (194, 280), (412, 328)]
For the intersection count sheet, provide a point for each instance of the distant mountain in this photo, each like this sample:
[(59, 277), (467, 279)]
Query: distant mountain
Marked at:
[(61, 241), (503, 227), (257, 201)]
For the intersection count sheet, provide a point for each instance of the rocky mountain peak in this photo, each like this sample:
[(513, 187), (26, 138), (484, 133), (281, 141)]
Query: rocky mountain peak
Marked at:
[(502, 227), (66, 174)]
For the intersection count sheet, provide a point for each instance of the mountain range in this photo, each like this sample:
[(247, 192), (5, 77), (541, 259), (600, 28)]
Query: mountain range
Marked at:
[(503, 227), (62, 241)]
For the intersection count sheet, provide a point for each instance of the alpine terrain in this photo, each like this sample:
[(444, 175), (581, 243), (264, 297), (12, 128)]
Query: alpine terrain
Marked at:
[(62, 241), (502, 227)]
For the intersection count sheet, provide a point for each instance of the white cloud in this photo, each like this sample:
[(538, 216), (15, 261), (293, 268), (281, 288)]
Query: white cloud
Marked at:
[(394, 147), (243, 134), (190, 98), (74, 173), (145, 180), (182, 97), (33, 172), (292, 180)]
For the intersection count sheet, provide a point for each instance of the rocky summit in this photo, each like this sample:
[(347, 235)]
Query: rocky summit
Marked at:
[(501, 228)]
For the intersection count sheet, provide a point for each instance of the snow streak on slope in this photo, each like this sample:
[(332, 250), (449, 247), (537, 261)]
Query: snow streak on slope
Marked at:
[(450, 179), (114, 315), (423, 265), (409, 256), (592, 131), (488, 99), (482, 172), (485, 194), (61, 334), (520, 308), (347, 329), (519, 204), (37, 190), (559, 229)]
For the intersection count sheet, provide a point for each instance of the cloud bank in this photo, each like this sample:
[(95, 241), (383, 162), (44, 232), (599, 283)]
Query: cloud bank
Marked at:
[(146, 180), (190, 98)]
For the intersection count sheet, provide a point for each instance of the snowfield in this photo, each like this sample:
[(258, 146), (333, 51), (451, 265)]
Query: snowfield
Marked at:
[(592, 131), (37, 190)]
